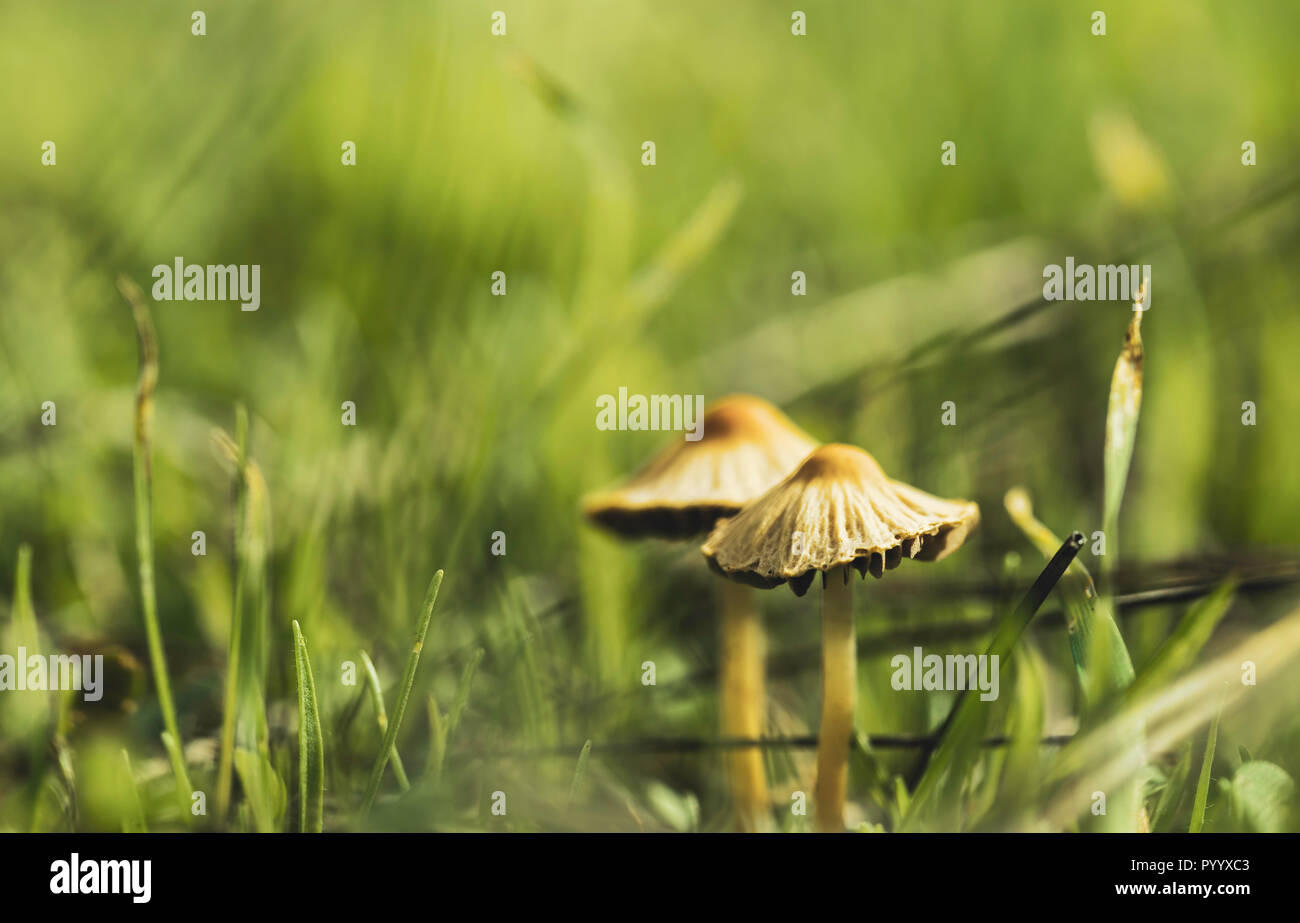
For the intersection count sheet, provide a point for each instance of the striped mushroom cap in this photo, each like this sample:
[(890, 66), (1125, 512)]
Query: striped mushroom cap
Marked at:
[(839, 507), (747, 446)]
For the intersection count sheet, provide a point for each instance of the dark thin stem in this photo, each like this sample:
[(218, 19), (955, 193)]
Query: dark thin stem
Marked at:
[(688, 745)]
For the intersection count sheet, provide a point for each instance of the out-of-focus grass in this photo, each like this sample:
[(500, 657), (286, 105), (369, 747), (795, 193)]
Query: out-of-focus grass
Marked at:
[(475, 413)]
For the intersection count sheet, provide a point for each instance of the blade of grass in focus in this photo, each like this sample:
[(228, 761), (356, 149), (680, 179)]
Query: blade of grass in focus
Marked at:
[(311, 746), (408, 680), (143, 471)]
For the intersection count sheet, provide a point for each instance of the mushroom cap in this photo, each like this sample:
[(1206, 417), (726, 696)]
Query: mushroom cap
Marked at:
[(837, 508), (747, 445)]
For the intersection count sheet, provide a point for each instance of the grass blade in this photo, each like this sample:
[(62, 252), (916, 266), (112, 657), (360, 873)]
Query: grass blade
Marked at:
[(1103, 758), (177, 760), (381, 717), (264, 789), (580, 772), (1100, 655), (1123, 409), (1203, 781), (230, 703), (28, 717), (311, 746), (964, 726), (244, 712), (1173, 792), (462, 692), (22, 612), (1181, 647), (133, 810), (437, 739), (408, 680), (146, 385)]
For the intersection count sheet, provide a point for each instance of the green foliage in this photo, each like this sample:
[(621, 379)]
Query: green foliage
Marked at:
[(1203, 781), (1263, 796), (311, 743), (476, 412), (404, 692)]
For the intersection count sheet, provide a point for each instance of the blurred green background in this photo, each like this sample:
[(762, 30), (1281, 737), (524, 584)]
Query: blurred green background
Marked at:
[(522, 154)]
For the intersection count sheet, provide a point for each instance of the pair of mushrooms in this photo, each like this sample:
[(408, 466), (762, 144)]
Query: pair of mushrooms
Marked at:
[(782, 508)]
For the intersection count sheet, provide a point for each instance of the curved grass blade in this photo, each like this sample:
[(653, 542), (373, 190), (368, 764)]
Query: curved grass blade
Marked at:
[(1100, 655), (381, 717), (408, 680), (311, 746), (146, 385)]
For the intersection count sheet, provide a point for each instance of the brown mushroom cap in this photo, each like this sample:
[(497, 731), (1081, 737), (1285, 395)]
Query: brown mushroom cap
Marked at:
[(747, 446), (839, 507)]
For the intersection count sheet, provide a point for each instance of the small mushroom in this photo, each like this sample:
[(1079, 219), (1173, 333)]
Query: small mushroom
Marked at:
[(837, 510), (747, 446)]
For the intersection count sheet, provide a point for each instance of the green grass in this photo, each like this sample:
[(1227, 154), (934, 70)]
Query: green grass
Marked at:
[(311, 743), (475, 413), (403, 693)]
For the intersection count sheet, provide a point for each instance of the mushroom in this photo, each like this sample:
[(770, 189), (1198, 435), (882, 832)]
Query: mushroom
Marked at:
[(747, 446), (837, 510)]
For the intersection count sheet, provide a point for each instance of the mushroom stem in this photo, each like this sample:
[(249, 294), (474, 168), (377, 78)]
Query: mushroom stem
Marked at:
[(839, 699), (742, 703)]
